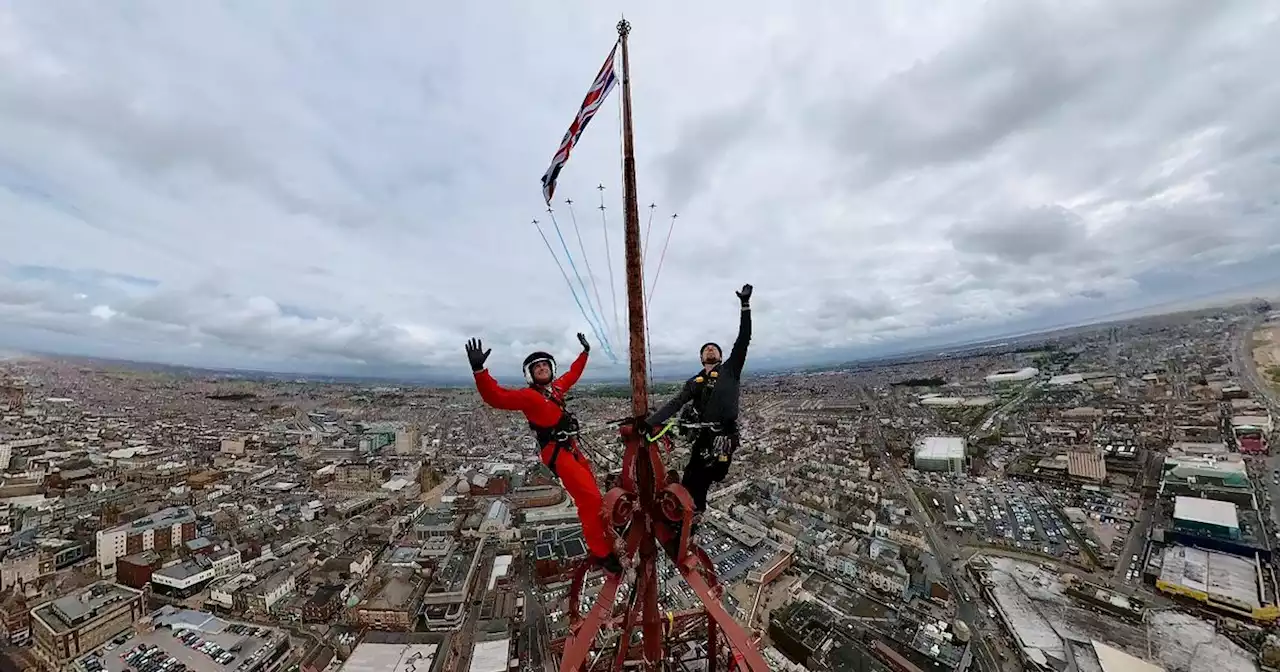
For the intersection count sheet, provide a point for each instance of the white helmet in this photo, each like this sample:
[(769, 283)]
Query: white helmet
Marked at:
[(534, 359)]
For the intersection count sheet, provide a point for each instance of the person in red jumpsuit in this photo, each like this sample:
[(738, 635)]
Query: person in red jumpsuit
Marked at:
[(542, 403)]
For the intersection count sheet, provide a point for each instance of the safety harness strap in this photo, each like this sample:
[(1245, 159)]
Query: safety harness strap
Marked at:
[(562, 433)]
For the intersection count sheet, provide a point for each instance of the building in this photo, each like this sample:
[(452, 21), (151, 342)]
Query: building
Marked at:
[(398, 652), (68, 627), (1206, 470), (1224, 582), (135, 570), (159, 531), (20, 565), (323, 605), (184, 578), (497, 520), (529, 497), (1206, 517), (1013, 376), (262, 596), (556, 552), (437, 522), (491, 656), (395, 602), (1251, 433), (940, 453), (444, 607), (226, 561), (15, 617), (408, 441), (1086, 465)]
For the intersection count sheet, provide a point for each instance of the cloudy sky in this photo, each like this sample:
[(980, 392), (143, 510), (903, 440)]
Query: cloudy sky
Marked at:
[(344, 187)]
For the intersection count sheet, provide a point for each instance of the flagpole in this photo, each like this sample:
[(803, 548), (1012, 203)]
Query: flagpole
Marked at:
[(635, 265), (651, 621)]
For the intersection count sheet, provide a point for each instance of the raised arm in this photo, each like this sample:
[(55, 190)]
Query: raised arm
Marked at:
[(673, 406), (738, 356), (490, 391), (499, 397), (570, 377)]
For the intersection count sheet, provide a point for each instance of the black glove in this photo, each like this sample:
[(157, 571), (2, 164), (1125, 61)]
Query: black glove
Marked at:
[(646, 430), (745, 295), (475, 356), (640, 425), (586, 347)]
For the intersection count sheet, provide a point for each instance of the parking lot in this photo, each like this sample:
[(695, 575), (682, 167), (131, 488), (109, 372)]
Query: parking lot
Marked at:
[(1013, 514), (1108, 520), (732, 560), (237, 648)]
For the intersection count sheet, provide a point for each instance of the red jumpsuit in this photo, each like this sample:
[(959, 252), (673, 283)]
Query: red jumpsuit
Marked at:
[(571, 465)]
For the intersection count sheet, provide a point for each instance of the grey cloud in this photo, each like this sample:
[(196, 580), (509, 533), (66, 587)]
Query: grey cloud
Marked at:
[(837, 311), (687, 168), (1025, 68), (877, 175), (1023, 237)]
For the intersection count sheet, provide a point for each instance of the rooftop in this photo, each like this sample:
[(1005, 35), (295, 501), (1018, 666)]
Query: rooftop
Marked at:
[(452, 576), (175, 515), (1218, 574), (73, 611), (377, 657), (183, 570), (490, 656), (398, 592), (1208, 511), (1088, 465), (940, 448)]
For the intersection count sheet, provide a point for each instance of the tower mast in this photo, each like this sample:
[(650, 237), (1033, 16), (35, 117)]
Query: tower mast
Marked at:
[(635, 264), (651, 620), (645, 498)]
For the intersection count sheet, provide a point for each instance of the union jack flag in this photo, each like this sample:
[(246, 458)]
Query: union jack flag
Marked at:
[(595, 97)]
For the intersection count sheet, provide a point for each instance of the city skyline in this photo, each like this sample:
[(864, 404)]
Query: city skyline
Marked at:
[(323, 199)]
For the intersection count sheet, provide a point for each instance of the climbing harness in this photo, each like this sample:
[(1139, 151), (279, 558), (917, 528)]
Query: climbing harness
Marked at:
[(562, 433)]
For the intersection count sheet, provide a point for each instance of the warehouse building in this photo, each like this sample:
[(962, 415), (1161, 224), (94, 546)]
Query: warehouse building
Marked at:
[(1207, 517), (1008, 376), (940, 453), (1225, 582)]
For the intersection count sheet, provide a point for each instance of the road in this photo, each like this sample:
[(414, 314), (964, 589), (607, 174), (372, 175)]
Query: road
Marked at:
[(969, 609), (1270, 489), (998, 416), (1249, 378), (1134, 545), (1246, 368)]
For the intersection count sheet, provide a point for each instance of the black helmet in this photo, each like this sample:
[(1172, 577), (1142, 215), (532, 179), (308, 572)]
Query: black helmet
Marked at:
[(712, 344), (534, 358)]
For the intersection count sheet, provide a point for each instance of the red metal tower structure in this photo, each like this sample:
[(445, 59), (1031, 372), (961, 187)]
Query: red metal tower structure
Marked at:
[(652, 513)]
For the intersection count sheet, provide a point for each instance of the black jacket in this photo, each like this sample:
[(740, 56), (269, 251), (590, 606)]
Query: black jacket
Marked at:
[(715, 398)]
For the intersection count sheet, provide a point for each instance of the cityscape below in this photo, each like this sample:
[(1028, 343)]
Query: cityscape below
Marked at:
[(1099, 499)]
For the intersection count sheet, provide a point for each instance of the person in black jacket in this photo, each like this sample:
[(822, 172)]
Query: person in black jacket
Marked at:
[(711, 396)]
